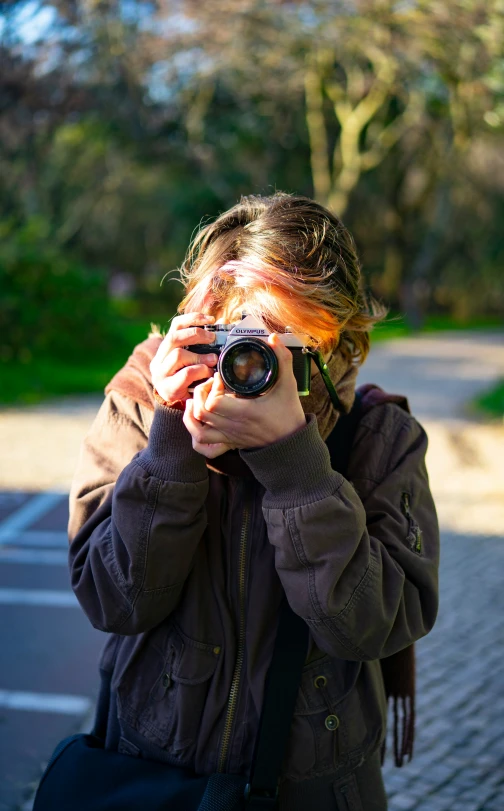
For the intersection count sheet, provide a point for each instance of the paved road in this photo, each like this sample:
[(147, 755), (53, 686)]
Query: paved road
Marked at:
[(48, 648), (459, 753), (439, 373), (49, 651)]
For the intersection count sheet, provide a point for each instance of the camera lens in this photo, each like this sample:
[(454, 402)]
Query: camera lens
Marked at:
[(248, 367)]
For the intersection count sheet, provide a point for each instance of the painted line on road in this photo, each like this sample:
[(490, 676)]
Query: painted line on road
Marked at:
[(38, 537), (45, 702), (30, 512), (44, 557), (39, 597)]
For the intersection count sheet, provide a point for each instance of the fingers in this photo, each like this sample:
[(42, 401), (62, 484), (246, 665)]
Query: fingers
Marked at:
[(188, 319), (206, 416), (179, 358), (191, 335), (218, 398), (174, 368), (175, 387), (281, 351), (218, 407), (218, 387), (184, 330), (285, 360), (192, 422), (188, 375), (200, 395), (202, 434), (184, 337), (213, 450)]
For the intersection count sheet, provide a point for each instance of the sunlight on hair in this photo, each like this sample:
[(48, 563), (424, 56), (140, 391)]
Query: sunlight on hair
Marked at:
[(286, 260)]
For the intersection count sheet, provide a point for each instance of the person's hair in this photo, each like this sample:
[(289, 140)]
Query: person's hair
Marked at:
[(288, 261)]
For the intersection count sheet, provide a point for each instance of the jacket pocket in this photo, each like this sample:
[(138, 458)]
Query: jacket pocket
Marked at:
[(163, 692), (329, 731)]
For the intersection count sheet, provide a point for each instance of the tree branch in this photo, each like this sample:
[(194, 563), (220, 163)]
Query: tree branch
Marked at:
[(315, 122)]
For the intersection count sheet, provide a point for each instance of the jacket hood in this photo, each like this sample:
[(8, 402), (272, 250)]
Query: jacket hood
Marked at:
[(134, 379)]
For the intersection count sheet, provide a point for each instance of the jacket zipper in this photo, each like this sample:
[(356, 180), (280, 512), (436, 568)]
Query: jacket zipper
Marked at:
[(415, 533), (235, 683)]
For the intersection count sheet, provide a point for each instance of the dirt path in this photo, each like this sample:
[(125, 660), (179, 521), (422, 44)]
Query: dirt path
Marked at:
[(439, 374)]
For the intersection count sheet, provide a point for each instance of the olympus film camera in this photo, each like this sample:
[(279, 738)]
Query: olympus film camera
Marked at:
[(247, 364)]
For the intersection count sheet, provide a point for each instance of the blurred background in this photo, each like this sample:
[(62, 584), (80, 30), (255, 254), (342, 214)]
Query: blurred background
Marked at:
[(123, 126)]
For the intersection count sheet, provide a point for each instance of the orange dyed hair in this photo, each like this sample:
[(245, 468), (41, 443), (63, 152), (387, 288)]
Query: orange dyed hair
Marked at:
[(288, 261)]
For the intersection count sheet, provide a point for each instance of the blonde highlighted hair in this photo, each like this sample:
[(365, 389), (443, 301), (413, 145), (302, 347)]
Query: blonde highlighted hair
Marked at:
[(287, 260)]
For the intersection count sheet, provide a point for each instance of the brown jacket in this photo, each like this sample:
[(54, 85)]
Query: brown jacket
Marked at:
[(184, 563)]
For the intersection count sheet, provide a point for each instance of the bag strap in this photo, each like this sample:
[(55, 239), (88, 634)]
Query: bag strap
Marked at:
[(282, 685), (341, 439), (289, 655)]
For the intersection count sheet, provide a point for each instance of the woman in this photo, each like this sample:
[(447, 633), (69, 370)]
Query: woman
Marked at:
[(191, 516)]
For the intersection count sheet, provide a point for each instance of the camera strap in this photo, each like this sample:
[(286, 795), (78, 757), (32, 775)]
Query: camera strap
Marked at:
[(324, 371)]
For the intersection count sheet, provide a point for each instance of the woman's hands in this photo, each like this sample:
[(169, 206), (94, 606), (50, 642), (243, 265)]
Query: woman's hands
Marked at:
[(174, 369), (218, 420)]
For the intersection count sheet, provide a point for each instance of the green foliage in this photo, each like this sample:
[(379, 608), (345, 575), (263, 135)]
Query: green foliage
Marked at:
[(491, 402), (145, 121), (44, 377), (51, 303)]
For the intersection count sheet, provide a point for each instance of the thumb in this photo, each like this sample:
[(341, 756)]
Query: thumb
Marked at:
[(284, 355), (206, 387), (218, 386), (217, 389)]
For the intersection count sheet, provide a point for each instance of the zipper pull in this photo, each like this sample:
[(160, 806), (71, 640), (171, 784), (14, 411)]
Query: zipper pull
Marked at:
[(166, 681), (418, 540), (405, 504)]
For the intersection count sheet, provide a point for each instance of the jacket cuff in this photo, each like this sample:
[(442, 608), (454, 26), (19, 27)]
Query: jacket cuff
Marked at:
[(169, 454), (296, 469)]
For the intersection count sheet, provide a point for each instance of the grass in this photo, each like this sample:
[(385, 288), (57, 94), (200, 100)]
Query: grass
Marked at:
[(395, 326), (29, 383), (491, 402)]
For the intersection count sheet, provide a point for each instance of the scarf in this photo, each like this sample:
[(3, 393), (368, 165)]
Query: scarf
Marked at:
[(343, 375)]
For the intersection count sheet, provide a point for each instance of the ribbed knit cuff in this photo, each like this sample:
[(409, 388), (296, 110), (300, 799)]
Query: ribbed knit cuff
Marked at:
[(294, 470), (169, 454)]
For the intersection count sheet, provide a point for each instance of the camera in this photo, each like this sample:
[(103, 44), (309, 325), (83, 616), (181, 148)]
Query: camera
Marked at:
[(247, 364)]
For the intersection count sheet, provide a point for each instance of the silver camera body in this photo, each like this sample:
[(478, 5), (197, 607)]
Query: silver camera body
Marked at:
[(247, 364)]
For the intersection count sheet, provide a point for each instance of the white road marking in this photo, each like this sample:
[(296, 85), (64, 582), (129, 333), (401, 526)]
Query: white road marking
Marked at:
[(45, 557), (30, 512), (44, 702), (39, 597), (38, 537)]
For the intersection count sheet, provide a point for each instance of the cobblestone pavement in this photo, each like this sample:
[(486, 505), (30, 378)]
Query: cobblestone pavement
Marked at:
[(458, 762)]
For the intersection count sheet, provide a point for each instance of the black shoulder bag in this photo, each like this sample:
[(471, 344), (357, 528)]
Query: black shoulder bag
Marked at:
[(81, 775)]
